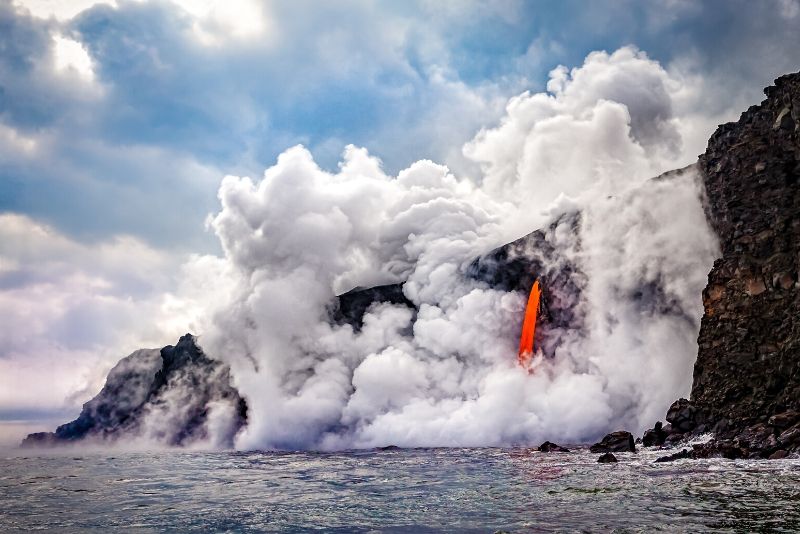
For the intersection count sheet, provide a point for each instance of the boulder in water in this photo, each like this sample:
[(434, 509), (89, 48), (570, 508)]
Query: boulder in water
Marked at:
[(548, 446), (683, 454), (619, 441), (654, 437), (780, 454), (682, 415)]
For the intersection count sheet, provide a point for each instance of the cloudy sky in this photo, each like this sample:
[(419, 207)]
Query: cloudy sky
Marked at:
[(118, 121)]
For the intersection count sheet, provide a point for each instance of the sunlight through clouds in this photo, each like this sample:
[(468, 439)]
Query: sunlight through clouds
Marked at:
[(59, 9), (70, 55), (216, 21)]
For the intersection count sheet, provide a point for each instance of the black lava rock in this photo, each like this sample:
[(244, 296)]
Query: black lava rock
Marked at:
[(607, 458), (654, 437), (548, 446), (517, 265), (747, 371), (164, 396), (682, 415), (620, 441), (683, 454)]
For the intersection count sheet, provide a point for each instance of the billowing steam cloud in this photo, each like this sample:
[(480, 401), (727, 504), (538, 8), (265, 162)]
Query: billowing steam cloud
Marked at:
[(634, 250), (301, 235)]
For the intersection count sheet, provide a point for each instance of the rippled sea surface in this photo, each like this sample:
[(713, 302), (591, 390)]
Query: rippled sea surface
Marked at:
[(419, 490)]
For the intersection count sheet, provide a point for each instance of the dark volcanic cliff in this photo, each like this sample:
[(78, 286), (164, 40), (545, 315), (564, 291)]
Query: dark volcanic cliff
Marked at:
[(171, 396), (747, 375), (748, 365)]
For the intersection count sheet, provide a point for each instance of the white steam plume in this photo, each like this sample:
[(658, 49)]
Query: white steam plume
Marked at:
[(301, 235)]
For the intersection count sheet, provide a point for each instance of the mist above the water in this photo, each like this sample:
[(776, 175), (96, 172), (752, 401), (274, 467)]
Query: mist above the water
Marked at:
[(300, 235)]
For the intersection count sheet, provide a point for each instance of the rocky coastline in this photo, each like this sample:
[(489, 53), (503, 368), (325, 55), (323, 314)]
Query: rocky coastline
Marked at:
[(746, 382), (177, 384), (746, 387)]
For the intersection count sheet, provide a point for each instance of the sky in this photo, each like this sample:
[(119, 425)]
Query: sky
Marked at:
[(119, 120)]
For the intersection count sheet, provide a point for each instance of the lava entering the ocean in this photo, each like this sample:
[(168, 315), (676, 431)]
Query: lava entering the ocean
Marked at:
[(529, 326)]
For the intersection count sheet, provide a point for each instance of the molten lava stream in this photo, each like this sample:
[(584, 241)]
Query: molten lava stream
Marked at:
[(529, 327)]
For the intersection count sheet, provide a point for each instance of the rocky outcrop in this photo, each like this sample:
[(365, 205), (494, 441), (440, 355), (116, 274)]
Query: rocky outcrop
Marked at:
[(746, 386), (683, 416), (619, 441), (683, 454), (171, 396), (748, 365), (548, 446), (655, 436), (607, 458), (711, 449)]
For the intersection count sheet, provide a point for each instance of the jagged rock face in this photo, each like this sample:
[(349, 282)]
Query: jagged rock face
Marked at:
[(655, 436), (619, 441), (682, 416), (172, 396), (748, 365)]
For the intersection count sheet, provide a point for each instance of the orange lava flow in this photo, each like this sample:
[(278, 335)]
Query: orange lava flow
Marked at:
[(529, 326)]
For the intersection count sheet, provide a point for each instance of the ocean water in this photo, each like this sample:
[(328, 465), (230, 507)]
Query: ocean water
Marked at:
[(417, 490)]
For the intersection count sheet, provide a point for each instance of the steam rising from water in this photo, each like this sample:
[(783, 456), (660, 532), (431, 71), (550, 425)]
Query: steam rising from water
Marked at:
[(301, 235)]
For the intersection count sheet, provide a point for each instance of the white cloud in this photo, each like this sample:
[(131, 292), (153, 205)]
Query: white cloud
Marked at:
[(70, 311), (71, 56), (61, 10), (611, 119), (16, 143), (217, 21)]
